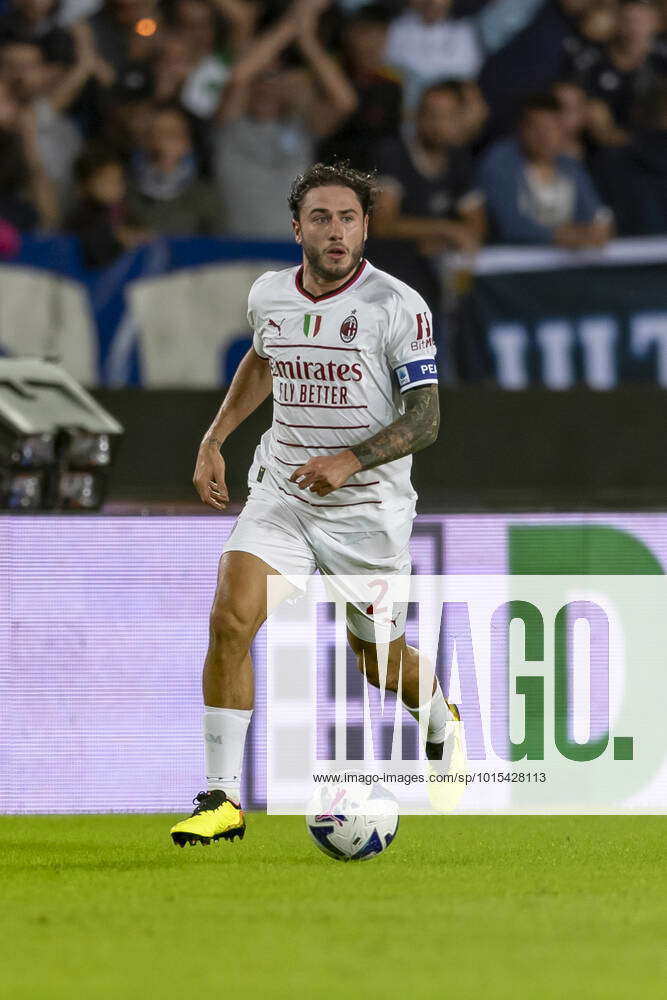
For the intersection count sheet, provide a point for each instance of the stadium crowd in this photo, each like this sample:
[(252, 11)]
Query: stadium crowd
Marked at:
[(511, 121)]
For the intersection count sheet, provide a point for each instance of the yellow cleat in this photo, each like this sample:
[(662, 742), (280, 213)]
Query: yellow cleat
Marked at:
[(447, 768), (215, 818)]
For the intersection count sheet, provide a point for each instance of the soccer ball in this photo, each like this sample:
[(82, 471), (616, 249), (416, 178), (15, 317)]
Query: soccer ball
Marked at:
[(352, 821)]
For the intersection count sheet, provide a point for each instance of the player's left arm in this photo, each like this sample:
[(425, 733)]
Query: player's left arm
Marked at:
[(417, 428)]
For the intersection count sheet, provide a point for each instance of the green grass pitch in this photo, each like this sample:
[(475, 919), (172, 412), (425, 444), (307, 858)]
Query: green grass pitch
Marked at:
[(465, 907)]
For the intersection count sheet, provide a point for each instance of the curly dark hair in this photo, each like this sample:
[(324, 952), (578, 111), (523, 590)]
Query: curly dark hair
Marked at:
[(327, 174)]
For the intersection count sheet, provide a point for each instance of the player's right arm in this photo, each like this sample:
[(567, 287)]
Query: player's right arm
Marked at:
[(250, 386)]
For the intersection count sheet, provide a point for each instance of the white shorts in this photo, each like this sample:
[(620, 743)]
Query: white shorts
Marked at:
[(270, 528)]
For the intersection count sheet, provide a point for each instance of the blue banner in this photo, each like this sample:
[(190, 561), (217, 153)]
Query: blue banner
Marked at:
[(117, 335)]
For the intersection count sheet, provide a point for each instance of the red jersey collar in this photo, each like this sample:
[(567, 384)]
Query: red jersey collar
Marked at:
[(337, 291)]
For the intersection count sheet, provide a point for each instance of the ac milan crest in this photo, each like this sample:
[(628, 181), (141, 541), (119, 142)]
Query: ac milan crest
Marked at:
[(348, 329)]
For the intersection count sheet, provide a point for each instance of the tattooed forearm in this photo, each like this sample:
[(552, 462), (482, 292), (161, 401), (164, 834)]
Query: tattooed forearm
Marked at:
[(416, 429)]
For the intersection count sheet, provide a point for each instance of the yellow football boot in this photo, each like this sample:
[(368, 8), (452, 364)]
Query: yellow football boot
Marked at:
[(447, 769), (215, 818)]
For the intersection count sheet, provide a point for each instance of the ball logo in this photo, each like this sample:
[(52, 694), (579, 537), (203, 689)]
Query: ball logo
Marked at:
[(348, 329)]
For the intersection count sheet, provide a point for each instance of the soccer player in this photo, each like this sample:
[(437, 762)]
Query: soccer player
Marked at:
[(348, 353)]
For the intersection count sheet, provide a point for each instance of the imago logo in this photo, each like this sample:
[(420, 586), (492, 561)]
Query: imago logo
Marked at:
[(348, 329), (424, 334)]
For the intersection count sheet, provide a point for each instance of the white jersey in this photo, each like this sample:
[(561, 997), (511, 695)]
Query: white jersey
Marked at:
[(340, 363)]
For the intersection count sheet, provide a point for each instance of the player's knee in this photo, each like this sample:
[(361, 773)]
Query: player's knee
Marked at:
[(230, 625)]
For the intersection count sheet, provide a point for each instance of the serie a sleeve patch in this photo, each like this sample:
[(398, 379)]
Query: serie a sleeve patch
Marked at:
[(419, 372)]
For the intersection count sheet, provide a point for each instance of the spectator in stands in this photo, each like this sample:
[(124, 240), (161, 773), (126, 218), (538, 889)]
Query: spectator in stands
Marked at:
[(37, 21), (78, 76), (378, 88), (270, 119), (633, 178), (216, 32), (534, 193), (172, 62), (587, 124), (162, 79), (584, 130), (427, 44), (82, 89), (597, 24), (57, 141), (125, 125), (125, 32), (630, 64), (27, 197), (185, 65), (101, 219), (428, 201), (166, 193), (541, 53)]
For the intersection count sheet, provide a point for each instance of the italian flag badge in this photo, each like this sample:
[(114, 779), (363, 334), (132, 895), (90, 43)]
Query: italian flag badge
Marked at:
[(311, 324)]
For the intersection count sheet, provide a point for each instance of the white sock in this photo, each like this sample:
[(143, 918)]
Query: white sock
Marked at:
[(439, 715), (224, 740)]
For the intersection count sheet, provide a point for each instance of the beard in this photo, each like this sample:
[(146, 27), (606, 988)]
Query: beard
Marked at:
[(329, 270)]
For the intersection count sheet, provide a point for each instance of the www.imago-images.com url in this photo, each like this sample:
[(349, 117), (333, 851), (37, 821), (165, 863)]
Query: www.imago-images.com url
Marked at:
[(481, 777)]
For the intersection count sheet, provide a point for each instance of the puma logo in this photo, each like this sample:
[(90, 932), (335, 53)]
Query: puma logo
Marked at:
[(278, 326)]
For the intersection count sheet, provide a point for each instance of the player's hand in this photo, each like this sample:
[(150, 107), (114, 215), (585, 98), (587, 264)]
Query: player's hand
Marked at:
[(325, 473), (209, 477)]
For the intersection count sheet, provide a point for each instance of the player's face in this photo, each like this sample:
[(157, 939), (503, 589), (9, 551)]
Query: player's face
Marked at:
[(332, 230)]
